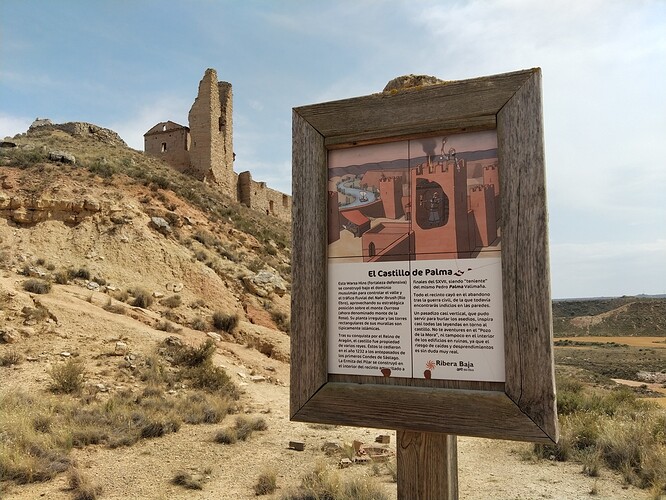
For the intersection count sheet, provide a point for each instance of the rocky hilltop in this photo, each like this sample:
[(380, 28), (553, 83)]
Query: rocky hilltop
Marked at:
[(75, 197)]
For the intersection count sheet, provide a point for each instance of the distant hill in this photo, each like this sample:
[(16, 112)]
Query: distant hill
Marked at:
[(627, 316)]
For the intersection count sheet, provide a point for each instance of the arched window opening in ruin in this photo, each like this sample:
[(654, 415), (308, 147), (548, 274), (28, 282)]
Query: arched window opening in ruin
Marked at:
[(285, 201), (164, 128), (432, 204), (270, 206), (372, 251), (164, 147)]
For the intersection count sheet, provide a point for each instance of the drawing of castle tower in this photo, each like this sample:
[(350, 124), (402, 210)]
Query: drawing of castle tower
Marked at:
[(491, 177), (439, 210), (390, 190), (483, 218)]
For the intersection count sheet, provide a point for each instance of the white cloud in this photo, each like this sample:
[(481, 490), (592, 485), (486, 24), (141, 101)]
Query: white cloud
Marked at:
[(608, 269), (12, 125), (163, 108)]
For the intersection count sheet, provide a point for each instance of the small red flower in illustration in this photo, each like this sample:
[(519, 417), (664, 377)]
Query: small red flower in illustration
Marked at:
[(430, 365)]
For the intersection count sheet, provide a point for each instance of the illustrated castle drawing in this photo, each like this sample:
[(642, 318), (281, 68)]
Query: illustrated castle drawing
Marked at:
[(204, 149), (433, 208)]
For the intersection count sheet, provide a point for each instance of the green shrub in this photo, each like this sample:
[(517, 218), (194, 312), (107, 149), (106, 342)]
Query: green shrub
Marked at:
[(102, 168), (324, 483), (610, 427), (210, 378), (202, 409), (37, 286)]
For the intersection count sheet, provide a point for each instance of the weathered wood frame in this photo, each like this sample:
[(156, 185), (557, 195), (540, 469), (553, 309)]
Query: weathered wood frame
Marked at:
[(523, 407)]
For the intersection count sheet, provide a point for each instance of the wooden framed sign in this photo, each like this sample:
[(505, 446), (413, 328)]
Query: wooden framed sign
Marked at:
[(421, 293)]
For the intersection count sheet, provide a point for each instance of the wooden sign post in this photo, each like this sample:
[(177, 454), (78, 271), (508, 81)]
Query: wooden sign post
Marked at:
[(420, 292)]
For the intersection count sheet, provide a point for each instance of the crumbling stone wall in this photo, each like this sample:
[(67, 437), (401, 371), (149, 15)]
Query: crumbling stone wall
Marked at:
[(257, 195)]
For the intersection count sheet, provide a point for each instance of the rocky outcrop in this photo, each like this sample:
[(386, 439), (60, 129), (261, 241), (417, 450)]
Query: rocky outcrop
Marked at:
[(265, 283), (100, 134), (34, 210), (410, 81), (62, 156)]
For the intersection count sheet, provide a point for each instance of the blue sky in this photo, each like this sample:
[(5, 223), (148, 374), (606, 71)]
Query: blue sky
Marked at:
[(128, 64)]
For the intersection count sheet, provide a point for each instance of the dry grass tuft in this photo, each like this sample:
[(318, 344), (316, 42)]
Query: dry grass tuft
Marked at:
[(34, 285), (612, 428), (81, 486), (68, 377), (266, 483), (186, 480), (325, 483), (10, 358)]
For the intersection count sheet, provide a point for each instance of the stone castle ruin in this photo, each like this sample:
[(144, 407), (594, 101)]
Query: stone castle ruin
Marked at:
[(204, 149)]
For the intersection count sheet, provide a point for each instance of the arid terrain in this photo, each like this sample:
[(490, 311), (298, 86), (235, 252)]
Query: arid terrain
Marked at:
[(127, 271)]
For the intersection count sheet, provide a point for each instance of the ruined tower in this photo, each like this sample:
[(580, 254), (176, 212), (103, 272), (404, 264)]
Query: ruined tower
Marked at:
[(211, 131), (205, 151)]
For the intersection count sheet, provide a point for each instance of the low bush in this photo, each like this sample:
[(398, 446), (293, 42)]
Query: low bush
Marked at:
[(10, 358), (61, 277), (226, 436), (281, 320), (266, 483), (186, 480), (114, 308), (142, 298), (199, 323), (172, 301), (167, 326), (37, 286), (81, 273), (225, 322), (203, 409), (81, 486), (245, 426), (195, 356), (68, 377), (325, 483)]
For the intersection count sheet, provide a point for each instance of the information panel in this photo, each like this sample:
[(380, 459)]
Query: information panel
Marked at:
[(414, 264)]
